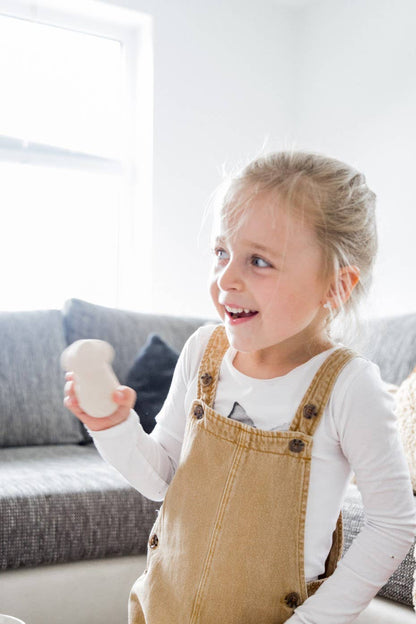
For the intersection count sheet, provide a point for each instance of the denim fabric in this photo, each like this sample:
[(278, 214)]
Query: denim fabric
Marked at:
[(228, 543)]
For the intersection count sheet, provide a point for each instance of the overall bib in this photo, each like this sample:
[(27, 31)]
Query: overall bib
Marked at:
[(228, 543)]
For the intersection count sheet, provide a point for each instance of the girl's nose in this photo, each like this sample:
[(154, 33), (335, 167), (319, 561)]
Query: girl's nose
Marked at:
[(230, 278)]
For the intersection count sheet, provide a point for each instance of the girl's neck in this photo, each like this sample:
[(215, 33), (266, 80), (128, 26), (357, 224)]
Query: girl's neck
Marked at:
[(274, 362)]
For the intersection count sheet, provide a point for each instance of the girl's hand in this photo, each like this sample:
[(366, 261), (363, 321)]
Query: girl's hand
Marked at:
[(124, 396)]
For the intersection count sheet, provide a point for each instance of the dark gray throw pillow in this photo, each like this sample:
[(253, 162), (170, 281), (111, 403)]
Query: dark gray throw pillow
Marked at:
[(151, 376)]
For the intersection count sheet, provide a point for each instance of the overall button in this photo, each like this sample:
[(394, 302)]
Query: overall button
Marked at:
[(296, 445), (206, 379), (292, 600), (153, 541), (198, 411), (310, 410)]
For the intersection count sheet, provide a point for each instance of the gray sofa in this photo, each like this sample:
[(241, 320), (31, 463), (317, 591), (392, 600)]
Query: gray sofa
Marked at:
[(59, 502)]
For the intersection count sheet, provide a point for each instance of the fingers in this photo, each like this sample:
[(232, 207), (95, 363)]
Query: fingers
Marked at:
[(73, 406), (71, 400), (124, 396), (69, 391)]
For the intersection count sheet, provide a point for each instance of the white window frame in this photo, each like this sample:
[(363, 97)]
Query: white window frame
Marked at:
[(134, 31)]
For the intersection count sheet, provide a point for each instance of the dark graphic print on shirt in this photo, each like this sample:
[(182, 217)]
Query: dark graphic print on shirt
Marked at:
[(239, 413)]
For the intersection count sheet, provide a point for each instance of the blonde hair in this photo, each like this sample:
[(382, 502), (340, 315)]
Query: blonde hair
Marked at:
[(336, 201)]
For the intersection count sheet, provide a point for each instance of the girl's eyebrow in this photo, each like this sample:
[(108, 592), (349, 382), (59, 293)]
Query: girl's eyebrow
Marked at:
[(253, 244)]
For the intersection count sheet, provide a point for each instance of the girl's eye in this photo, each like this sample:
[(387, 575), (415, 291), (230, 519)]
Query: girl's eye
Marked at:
[(256, 261), (259, 262), (220, 253)]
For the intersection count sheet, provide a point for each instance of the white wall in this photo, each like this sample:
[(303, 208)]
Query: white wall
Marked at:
[(336, 76), (356, 100), (223, 83)]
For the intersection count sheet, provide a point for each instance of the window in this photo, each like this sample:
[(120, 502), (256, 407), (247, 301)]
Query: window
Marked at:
[(75, 154)]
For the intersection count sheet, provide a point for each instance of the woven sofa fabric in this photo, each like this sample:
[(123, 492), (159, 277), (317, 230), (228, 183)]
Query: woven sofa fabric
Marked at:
[(400, 584), (126, 331), (391, 344), (31, 388), (64, 503)]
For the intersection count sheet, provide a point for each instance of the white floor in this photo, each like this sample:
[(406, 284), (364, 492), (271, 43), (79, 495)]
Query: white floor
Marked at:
[(87, 592), (93, 592)]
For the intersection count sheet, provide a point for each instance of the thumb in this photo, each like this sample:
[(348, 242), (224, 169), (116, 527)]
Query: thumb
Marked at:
[(124, 396)]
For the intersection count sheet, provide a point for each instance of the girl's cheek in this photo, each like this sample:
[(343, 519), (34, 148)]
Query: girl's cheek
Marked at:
[(214, 292)]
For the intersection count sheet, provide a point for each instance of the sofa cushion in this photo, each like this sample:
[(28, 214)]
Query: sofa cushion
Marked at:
[(32, 382), (400, 585), (406, 421), (64, 503), (391, 343), (126, 331), (151, 376)]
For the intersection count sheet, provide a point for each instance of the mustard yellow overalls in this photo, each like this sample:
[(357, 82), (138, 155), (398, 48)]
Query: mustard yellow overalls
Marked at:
[(228, 544)]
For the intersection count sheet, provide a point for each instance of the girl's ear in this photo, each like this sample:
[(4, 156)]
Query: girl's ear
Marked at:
[(341, 288)]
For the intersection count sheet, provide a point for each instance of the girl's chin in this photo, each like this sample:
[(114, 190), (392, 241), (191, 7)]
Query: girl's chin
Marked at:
[(240, 342)]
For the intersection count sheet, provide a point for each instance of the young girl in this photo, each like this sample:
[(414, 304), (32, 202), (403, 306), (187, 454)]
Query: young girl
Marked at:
[(267, 418)]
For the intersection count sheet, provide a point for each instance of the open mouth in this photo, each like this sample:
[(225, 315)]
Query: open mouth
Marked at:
[(237, 313)]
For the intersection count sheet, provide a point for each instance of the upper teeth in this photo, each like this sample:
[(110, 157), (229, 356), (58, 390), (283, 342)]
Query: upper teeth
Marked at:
[(236, 310)]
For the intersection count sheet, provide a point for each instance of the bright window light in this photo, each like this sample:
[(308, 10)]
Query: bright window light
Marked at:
[(60, 236), (75, 155), (60, 87)]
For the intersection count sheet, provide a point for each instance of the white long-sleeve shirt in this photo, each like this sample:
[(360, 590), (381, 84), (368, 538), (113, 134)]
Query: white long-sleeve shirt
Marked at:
[(357, 433)]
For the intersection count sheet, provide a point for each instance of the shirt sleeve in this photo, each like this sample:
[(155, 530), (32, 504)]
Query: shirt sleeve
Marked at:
[(363, 414), (148, 461)]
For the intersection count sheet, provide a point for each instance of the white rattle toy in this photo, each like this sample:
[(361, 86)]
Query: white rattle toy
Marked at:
[(95, 381)]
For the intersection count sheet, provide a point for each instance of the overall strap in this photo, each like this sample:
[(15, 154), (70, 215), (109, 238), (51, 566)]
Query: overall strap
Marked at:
[(312, 406), (307, 418), (209, 368)]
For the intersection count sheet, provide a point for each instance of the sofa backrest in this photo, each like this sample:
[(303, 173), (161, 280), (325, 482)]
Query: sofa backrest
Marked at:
[(31, 379), (32, 382), (126, 331), (391, 343)]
